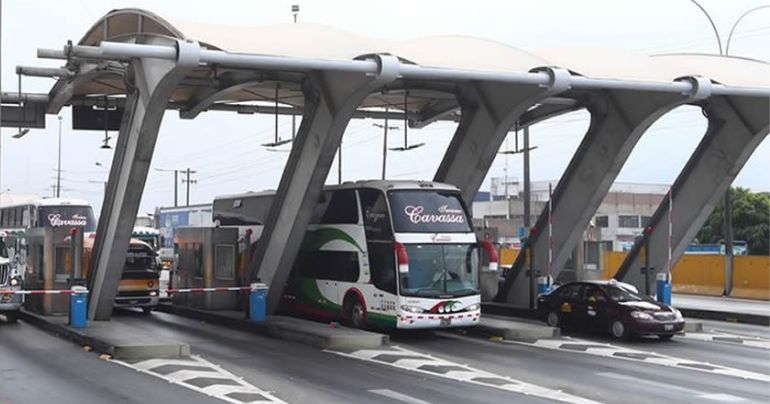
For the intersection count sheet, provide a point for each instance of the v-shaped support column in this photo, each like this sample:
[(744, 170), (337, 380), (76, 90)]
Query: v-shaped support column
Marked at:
[(489, 111), (331, 98), (736, 127), (618, 120), (153, 82)]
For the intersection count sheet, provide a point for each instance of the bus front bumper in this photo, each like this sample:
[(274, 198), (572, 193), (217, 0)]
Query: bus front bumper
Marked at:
[(414, 321), (136, 301)]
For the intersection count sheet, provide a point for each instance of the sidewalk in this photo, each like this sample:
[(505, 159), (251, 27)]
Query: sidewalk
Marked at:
[(723, 308)]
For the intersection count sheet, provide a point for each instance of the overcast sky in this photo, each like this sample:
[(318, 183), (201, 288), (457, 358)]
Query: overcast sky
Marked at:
[(225, 148)]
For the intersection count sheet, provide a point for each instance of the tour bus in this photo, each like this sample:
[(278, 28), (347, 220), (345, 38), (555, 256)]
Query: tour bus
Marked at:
[(139, 282), (396, 254)]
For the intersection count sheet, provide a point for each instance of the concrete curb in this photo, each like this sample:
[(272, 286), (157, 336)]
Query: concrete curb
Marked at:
[(106, 345), (726, 316), (289, 328), (514, 331)]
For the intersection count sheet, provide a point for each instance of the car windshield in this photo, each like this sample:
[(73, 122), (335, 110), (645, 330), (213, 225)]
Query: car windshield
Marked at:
[(619, 294), (441, 270)]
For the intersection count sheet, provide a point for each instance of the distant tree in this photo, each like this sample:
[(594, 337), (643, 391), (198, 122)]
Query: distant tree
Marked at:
[(751, 221)]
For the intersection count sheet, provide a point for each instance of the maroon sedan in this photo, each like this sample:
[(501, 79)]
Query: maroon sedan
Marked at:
[(608, 306)]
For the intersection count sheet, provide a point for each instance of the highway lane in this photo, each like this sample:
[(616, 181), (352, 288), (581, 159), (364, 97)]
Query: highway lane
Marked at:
[(36, 367), (600, 379), (720, 353), (298, 373)]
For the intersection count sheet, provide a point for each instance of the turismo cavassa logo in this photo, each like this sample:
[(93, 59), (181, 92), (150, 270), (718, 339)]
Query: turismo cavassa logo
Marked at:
[(445, 214)]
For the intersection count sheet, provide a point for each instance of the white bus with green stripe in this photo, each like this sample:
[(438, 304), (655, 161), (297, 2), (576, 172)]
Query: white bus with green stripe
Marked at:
[(395, 254)]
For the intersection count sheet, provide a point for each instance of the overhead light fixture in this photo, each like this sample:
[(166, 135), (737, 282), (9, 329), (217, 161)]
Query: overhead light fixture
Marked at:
[(277, 142), (407, 146), (21, 133)]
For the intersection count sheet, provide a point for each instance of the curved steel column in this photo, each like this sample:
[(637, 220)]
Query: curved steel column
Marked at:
[(618, 120), (331, 99), (736, 127), (153, 83)]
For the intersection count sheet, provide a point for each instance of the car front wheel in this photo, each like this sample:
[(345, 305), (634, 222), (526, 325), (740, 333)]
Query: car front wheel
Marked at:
[(619, 330), (553, 319), (666, 337)]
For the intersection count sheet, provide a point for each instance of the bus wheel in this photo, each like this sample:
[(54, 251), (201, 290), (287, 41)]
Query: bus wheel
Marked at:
[(355, 314), (12, 316)]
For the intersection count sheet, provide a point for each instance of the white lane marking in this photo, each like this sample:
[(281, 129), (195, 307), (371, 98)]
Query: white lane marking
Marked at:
[(613, 351), (722, 397), (412, 361), (734, 339), (204, 369), (398, 396), (668, 387)]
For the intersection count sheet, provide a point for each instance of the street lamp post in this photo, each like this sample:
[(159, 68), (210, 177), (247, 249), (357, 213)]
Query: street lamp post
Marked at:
[(176, 183), (58, 164)]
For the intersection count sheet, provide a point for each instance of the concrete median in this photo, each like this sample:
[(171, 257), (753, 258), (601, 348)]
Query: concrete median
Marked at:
[(321, 335), (118, 340)]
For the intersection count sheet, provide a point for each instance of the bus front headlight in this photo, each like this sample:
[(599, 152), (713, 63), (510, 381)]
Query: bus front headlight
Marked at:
[(412, 309)]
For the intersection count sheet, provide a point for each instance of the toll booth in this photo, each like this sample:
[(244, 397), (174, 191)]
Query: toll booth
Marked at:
[(54, 262), (208, 258)]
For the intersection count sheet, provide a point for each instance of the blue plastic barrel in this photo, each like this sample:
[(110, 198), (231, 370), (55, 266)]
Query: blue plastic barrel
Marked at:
[(663, 288), (78, 306), (258, 302), (544, 284)]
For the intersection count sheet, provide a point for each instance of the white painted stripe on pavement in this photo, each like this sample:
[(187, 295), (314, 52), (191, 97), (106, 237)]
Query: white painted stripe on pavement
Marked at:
[(667, 386), (755, 342), (398, 396), (613, 351), (728, 398), (412, 361), (183, 376)]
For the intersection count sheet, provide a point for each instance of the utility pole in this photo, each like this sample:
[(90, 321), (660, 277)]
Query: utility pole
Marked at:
[(385, 127), (532, 280), (188, 181), (58, 165)]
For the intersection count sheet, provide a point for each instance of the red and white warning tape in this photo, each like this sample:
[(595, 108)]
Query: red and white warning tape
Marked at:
[(199, 290), (41, 292), (69, 292)]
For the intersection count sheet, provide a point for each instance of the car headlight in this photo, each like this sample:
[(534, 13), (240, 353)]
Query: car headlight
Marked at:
[(640, 315), (412, 309), (678, 315), (473, 307), (15, 281)]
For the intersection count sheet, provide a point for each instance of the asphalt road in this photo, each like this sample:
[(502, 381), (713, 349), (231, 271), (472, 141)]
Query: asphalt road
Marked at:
[(38, 367)]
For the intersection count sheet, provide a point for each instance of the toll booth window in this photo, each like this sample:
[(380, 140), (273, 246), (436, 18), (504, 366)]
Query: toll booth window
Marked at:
[(197, 260), (62, 263), (375, 212), (224, 259), (342, 208), (341, 266), (382, 265)]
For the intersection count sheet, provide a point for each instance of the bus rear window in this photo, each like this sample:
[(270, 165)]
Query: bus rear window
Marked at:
[(428, 212)]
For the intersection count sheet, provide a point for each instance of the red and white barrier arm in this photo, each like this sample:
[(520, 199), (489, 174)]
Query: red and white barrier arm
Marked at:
[(202, 290), (41, 292)]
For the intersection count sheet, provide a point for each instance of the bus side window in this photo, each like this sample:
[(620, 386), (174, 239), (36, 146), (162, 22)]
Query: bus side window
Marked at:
[(382, 265), (375, 212), (342, 208)]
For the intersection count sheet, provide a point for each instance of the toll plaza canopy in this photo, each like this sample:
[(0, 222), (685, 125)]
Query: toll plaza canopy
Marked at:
[(145, 64)]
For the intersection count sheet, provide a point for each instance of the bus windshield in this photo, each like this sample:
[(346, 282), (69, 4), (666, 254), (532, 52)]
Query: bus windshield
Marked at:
[(441, 270), (428, 211)]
